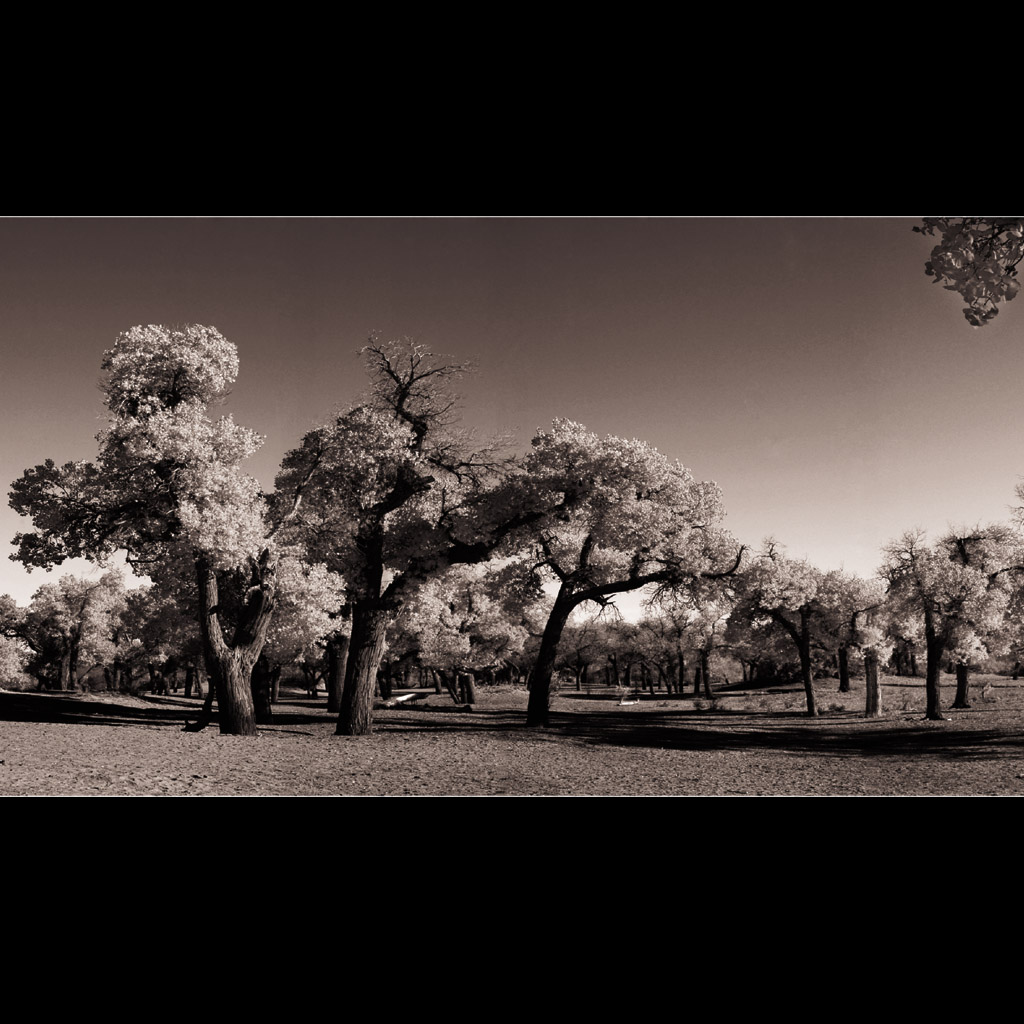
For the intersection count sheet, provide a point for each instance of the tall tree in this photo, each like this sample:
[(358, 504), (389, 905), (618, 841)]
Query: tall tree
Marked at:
[(390, 494), (636, 519), (167, 487)]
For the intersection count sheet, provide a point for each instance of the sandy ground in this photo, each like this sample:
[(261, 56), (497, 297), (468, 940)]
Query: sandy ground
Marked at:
[(744, 743)]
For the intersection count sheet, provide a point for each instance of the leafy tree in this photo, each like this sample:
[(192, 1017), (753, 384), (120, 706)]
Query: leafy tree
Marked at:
[(66, 626), (168, 489), (634, 519), (845, 602), (14, 660), (976, 257), (794, 595), (309, 598), (390, 494), (958, 588)]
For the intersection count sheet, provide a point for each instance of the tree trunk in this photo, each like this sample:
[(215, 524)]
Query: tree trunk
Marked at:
[(963, 686), (872, 690), (231, 666), (275, 685), (934, 647), (468, 688), (260, 683), (337, 662), (386, 682), (806, 674), (369, 629), (65, 671), (844, 670), (537, 710), (235, 707), (705, 674), (190, 679)]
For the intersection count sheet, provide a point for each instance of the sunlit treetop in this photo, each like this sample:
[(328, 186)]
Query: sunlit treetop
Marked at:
[(977, 257), (154, 367)]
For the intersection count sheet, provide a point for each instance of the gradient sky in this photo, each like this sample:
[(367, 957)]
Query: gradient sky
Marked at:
[(807, 365)]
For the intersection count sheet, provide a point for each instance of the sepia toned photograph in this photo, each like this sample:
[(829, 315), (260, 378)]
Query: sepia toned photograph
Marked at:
[(437, 506)]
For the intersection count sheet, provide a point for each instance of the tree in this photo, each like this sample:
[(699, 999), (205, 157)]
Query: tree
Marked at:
[(976, 257), (794, 595), (634, 519), (958, 587), (168, 489), (14, 661), (67, 625), (845, 601), (390, 494)]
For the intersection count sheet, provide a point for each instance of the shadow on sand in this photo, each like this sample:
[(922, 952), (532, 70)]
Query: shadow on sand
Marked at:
[(684, 727)]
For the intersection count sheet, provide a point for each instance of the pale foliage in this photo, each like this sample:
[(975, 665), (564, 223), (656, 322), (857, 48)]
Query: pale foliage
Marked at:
[(962, 586), (14, 660), (308, 599), (461, 621), (627, 511), (167, 486)]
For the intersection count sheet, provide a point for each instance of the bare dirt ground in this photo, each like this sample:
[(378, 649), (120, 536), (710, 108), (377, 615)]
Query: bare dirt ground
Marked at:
[(744, 742)]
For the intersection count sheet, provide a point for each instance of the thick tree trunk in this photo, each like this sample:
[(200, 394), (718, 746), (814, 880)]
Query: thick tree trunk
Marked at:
[(705, 674), (468, 688), (537, 710), (231, 666), (369, 629), (190, 679), (963, 687), (260, 683), (235, 708), (337, 662), (844, 670)]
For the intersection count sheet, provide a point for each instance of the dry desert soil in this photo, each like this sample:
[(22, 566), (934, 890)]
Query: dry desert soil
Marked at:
[(745, 742)]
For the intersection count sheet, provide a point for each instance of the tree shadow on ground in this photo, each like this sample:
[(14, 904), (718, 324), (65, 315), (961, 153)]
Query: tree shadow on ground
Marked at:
[(75, 708), (839, 736)]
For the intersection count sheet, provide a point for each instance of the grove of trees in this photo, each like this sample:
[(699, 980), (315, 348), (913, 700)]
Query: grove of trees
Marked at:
[(395, 543)]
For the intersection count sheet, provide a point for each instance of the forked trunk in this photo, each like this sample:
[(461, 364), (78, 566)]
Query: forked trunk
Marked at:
[(235, 708), (231, 665)]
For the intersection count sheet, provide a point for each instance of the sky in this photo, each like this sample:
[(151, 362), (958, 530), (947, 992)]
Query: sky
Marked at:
[(807, 365)]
